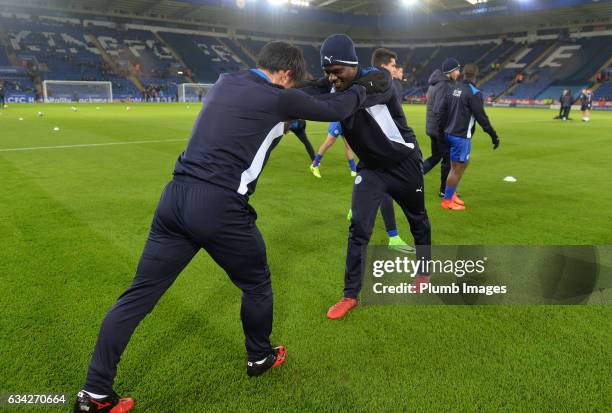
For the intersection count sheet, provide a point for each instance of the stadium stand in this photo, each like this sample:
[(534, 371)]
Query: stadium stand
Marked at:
[(4, 61), (522, 58), (604, 91), (149, 62), (206, 56)]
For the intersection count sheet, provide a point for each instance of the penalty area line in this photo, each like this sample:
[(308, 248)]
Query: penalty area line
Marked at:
[(90, 145)]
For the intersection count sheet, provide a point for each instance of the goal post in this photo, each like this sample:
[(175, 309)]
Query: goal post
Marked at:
[(62, 91), (193, 92)]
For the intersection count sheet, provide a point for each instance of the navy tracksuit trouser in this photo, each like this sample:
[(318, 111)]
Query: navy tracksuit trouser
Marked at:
[(388, 213), (191, 215), (565, 111), (301, 135), (439, 152), (402, 182)]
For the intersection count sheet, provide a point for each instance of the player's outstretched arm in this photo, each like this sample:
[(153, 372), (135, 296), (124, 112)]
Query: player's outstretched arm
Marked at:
[(295, 104), (315, 87)]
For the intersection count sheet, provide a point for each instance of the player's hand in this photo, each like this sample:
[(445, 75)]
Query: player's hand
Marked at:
[(495, 140), (374, 82)]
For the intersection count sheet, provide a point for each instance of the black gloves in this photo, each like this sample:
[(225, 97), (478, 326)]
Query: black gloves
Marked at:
[(495, 140), (373, 82)]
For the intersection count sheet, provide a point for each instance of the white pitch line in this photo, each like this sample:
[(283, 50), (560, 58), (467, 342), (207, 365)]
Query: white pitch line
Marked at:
[(89, 145)]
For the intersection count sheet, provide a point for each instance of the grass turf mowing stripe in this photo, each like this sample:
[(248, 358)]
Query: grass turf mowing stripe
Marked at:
[(89, 145)]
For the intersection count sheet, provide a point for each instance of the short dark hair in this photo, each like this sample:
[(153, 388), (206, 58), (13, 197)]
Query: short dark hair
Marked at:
[(470, 71), (276, 56), (382, 56)]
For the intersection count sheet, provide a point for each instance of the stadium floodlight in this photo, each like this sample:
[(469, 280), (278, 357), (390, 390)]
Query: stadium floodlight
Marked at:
[(58, 91), (193, 92), (299, 3)]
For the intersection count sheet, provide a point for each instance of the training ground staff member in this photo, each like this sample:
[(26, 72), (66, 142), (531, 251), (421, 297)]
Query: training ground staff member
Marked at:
[(566, 104), (389, 163), (206, 206), (438, 88)]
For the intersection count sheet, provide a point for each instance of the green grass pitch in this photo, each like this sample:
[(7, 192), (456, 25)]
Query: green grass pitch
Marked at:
[(73, 221)]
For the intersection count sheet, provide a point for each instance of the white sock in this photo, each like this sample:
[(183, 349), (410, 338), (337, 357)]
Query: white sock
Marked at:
[(94, 395)]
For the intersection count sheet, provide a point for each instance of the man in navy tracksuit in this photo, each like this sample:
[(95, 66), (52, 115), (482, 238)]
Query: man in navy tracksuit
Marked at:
[(206, 205), (439, 82), (389, 163), (457, 115), (566, 101)]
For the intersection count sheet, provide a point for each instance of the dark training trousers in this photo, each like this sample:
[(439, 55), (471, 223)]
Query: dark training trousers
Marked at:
[(190, 216), (439, 152), (404, 183), (566, 111), (388, 213), (301, 134)]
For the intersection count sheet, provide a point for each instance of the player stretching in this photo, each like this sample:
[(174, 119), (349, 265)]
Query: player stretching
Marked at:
[(456, 115), (386, 59), (333, 132), (389, 163), (586, 103), (206, 206), (386, 206)]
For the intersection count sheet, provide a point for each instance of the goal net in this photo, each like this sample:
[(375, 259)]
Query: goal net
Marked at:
[(77, 91), (193, 92)]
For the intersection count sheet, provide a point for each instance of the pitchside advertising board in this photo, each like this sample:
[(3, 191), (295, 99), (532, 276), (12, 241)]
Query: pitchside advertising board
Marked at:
[(490, 275), (20, 98), (544, 103), (30, 98), (79, 100)]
